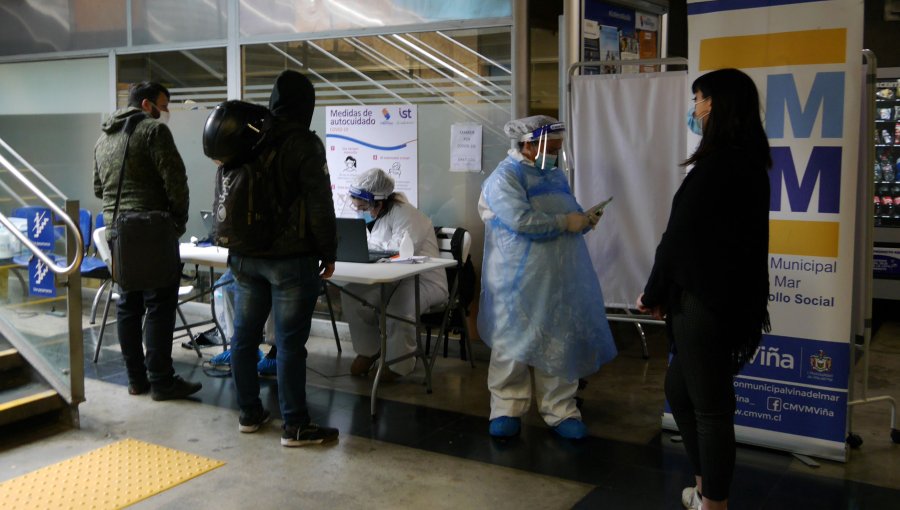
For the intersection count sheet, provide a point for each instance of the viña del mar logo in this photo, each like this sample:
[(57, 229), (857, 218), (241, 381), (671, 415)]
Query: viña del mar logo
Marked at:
[(820, 362)]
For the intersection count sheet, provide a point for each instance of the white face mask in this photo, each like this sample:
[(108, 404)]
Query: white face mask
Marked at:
[(163, 116)]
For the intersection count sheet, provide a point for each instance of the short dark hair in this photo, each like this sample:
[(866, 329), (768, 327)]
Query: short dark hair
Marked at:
[(149, 90), (734, 120)]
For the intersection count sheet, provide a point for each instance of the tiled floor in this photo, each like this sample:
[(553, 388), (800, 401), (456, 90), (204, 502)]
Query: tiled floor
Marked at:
[(433, 450)]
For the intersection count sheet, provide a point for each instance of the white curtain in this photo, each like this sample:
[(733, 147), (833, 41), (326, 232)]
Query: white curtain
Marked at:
[(628, 139)]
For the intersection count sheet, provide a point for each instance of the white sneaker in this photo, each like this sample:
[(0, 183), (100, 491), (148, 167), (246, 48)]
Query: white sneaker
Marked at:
[(690, 498)]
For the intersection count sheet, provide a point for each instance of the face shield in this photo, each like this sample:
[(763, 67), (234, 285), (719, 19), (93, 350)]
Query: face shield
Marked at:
[(549, 143), (361, 204)]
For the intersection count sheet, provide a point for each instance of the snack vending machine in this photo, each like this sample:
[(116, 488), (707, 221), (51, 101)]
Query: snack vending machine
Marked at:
[(887, 188)]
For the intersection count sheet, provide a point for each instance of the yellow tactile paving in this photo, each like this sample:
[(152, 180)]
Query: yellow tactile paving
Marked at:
[(114, 476)]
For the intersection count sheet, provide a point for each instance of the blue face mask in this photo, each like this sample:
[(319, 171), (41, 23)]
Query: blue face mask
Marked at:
[(544, 162), (366, 216), (693, 123)]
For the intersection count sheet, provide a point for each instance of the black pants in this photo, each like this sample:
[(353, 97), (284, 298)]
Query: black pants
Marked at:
[(700, 391), (157, 331)]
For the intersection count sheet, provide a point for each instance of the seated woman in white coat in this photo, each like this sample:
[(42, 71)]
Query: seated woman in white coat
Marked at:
[(389, 217)]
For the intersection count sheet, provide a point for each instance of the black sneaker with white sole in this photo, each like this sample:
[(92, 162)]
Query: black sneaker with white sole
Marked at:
[(311, 434), (250, 422)]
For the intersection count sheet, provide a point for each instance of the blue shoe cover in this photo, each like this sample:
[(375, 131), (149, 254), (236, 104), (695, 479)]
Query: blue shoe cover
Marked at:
[(571, 428), (267, 366), (221, 359), (505, 426)]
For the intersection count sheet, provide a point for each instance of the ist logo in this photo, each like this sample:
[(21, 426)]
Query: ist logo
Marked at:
[(406, 113), (820, 362)]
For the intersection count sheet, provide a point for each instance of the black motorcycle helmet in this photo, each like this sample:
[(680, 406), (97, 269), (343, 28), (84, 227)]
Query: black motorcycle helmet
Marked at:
[(234, 130)]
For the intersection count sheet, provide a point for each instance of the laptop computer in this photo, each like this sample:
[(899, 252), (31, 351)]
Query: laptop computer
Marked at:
[(352, 245)]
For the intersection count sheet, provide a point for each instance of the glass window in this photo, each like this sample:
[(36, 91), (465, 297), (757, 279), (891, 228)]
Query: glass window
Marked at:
[(50, 26), (459, 76), (261, 17), (460, 68), (172, 21), (195, 78)]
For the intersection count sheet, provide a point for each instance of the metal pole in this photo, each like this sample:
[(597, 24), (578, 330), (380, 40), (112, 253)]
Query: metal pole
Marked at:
[(521, 60), (871, 75), (74, 313)]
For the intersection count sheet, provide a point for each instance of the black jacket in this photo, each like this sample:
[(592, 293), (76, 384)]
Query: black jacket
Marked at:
[(304, 186), (716, 244)]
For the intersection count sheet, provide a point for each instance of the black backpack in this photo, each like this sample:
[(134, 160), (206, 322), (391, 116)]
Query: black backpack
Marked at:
[(246, 206)]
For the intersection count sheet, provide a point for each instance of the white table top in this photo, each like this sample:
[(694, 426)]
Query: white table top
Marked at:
[(347, 272), (204, 255)]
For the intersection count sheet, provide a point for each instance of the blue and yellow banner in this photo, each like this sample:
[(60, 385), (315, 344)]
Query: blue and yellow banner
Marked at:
[(804, 56)]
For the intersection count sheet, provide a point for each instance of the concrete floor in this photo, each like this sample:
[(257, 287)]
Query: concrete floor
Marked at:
[(432, 450)]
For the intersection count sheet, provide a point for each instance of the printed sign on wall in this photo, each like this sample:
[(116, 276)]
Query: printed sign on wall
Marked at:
[(358, 138)]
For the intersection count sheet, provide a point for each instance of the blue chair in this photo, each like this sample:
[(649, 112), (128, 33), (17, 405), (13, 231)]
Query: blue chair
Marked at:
[(84, 223)]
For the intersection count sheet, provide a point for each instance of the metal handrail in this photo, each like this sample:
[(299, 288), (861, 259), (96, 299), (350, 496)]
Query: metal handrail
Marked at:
[(75, 265)]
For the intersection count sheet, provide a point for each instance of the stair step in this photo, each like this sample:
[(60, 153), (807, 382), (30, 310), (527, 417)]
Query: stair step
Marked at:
[(10, 359), (28, 400)]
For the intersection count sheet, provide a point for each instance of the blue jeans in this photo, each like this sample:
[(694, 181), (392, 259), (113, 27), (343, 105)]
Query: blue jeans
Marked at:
[(289, 287)]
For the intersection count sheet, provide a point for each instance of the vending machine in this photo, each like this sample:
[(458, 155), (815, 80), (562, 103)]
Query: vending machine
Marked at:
[(887, 185)]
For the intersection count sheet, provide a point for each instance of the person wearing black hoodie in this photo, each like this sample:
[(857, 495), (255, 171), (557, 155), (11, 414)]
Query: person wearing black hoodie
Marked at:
[(286, 277)]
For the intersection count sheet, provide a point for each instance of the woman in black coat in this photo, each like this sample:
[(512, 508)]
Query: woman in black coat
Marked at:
[(710, 278)]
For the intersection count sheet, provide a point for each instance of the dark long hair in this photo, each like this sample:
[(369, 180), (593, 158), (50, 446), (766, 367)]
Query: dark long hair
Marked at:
[(734, 125), (734, 119)]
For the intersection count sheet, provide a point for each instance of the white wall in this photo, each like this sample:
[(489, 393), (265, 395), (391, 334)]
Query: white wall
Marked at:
[(55, 87)]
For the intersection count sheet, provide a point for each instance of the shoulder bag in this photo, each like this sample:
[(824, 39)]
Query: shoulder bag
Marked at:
[(144, 244)]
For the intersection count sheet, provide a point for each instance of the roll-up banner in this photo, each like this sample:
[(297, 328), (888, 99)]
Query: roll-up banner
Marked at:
[(805, 58)]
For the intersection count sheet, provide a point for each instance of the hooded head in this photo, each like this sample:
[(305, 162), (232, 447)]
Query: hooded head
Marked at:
[(293, 97)]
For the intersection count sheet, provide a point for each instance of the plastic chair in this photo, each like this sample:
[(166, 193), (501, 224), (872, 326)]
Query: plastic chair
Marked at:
[(91, 265), (453, 314), (103, 249)]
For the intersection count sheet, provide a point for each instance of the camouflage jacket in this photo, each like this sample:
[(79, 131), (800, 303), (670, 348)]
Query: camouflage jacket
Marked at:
[(155, 178)]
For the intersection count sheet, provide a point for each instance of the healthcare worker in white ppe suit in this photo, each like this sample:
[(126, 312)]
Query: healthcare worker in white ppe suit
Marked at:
[(541, 305), (390, 217)]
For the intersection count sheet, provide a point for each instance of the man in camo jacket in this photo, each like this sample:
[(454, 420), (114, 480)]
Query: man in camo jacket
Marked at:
[(154, 180)]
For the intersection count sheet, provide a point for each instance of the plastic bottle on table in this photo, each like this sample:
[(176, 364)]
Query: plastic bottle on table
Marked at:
[(407, 248)]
